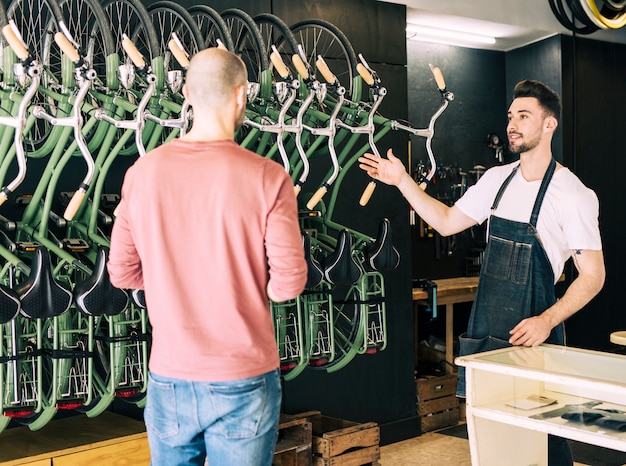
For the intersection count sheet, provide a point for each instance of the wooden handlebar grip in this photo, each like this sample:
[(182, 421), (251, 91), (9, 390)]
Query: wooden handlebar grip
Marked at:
[(133, 53), (323, 68), (296, 189), (423, 185), (178, 53), (279, 64), (367, 194), (365, 74), (66, 47), (15, 43), (74, 204), (319, 194), (3, 197), (441, 83), (300, 66)]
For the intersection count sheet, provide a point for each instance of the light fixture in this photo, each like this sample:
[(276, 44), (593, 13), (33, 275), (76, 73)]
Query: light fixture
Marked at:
[(446, 36)]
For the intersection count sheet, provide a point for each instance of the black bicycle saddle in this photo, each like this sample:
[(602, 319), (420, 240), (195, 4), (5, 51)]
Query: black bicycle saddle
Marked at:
[(315, 274), (381, 255), (339, 266), (40, 294), (96, 296), (9, 304)]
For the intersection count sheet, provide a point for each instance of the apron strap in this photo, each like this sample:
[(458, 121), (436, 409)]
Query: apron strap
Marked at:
[(542, 192), (496, 201), (547, 177)]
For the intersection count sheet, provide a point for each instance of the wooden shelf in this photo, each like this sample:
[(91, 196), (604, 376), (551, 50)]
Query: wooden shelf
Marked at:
[(107, 440)]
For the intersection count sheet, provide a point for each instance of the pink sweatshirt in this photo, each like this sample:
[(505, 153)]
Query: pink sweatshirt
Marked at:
[(201, 226)]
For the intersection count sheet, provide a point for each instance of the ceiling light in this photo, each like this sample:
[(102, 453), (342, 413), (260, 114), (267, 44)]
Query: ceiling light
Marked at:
[(446, 36)]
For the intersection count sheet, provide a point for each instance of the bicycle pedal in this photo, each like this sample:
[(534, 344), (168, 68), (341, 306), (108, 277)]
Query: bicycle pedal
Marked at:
[(309, 214), (27, 246), (109, 201), (75, 245), (23, 200)]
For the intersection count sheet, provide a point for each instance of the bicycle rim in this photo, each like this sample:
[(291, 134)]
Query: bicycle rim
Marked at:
[(275, 32), (212, 26), (131, 18), (169, 17), (247, 42), (322, 38)]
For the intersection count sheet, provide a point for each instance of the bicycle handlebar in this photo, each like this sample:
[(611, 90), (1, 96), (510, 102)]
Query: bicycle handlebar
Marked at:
[(66, 47), (367, 193), (75, 202), (133, 53), (278, 63), (324, 70), (15, 41), (300, 66), (365, 74), (441, 83), (319, 194), (177, 50)]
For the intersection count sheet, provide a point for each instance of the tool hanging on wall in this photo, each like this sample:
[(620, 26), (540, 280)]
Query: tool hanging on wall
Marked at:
[(493, 141)]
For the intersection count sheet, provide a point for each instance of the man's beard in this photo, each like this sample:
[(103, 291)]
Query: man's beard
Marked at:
[(524, 146)]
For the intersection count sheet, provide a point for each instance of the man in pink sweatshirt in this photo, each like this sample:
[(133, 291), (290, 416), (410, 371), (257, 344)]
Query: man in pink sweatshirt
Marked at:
[(210, 231)]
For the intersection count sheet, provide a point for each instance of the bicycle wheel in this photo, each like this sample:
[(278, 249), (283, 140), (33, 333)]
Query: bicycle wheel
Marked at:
[(88, 25), (248, 43), (130, 18), (168, 18), (346, 326), (212, 26), (319, 37), (37, 22), (275, 32)]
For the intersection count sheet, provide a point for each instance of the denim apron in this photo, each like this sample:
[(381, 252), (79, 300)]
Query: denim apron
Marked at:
[(516, 282)]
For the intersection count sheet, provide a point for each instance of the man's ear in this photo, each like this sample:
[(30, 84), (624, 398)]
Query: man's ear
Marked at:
[(242, 95), (551, 123), (185, 91)]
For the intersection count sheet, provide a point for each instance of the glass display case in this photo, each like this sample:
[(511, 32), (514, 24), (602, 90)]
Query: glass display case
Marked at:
[(518, 395)]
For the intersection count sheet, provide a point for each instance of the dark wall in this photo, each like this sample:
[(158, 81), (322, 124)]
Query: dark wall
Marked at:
[(595, 73), (476, 77)]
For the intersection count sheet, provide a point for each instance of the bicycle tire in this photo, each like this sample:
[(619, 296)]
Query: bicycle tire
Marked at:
[(247, 42), (169, 17), (276, 32), (130, 17), (319, 37), (212, 26), (87, 23), (37, 24), (3, 18), (346, 328)]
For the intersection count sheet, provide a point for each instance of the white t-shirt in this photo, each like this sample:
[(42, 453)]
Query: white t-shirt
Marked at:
[(568, 219)]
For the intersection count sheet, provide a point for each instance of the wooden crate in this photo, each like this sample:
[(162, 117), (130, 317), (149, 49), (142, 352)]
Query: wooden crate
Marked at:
[(337, 442), (437, 404), (294, 446)]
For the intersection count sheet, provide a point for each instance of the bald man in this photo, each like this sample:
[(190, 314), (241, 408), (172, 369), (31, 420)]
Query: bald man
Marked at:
[(210, 231)]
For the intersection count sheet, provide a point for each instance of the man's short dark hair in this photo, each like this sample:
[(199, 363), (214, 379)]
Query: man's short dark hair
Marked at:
[(548, 99)]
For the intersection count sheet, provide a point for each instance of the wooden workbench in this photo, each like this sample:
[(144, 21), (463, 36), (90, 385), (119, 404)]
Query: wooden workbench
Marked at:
[(450, 291)]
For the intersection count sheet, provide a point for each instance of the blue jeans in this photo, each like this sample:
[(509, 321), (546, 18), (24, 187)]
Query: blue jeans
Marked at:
[(229, 423)]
